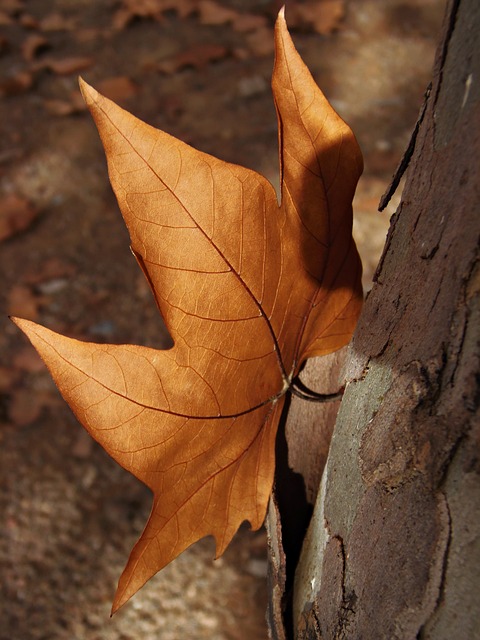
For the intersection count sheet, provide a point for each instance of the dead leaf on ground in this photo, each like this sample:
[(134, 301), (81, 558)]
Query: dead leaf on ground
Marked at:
[(65, 66), (260, 42), (153, 9), (26, 407), (56, 22), (28, 21), (8, 378), (245, 22), (74, 104), (144, 8), (22, 300), (32, 45), (91, 34), (83, 446), (213, 13), (196, 57), (249, 288), (12, 7), (122, 18), (59, 107), (28, 360), (5, 19), (16, 83), (118, 89), (51, 269), (323, 16), (16, 215), (209, 12)]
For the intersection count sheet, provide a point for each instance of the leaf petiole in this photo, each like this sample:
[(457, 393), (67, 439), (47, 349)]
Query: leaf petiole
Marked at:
[(299, 389)]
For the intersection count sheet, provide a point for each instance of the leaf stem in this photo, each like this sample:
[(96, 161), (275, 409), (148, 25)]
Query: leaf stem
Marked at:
[(299, 389)]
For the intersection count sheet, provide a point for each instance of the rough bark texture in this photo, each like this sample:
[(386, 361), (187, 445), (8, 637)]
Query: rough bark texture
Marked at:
[(302, 450), (393, 546)]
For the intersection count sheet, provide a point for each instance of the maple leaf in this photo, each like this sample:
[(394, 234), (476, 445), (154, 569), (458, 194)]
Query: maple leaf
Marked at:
[(248, 289)]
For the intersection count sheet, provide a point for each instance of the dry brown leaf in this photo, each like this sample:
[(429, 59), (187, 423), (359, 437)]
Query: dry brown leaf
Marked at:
[(118, 89), (154, 9), (260, 41), (12, 7), (82, 448), (51, 269), (57, 22), (327, 16), (213, 13), (60, 107), (121, 18), (32, 45), (65, 66), (16, 83), (16, 215), (23, 301), (323, 16), (249, 22), (5, 19), (24, 408), (248, 289), (74, 103), (144, 8), (196, 57), (28, 21), (28, 360), (8, 378), (91, 34)]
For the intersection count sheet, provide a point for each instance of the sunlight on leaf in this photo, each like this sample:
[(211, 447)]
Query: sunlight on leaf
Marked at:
[(248, 289)]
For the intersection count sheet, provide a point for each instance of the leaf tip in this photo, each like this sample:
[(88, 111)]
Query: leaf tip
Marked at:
[(22, 324), (115, 607), (122, 596), (34, 332), (90, 95), (117, 604), (281, 30)]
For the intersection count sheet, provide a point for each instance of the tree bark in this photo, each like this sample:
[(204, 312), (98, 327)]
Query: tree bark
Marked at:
[(393, 545)]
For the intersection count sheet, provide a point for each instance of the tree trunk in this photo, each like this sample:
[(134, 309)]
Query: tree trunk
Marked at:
[(393, 545)]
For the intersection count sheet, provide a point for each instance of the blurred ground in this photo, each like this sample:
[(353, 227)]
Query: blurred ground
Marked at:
[(200, 70)]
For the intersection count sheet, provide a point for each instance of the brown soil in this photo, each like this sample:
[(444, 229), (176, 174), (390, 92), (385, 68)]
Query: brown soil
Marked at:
[(69, 514)]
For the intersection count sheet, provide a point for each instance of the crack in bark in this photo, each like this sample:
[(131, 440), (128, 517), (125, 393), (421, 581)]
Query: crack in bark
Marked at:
[(442, 586), (349, 599), (464, 306), (452, 20), (407, 156)]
